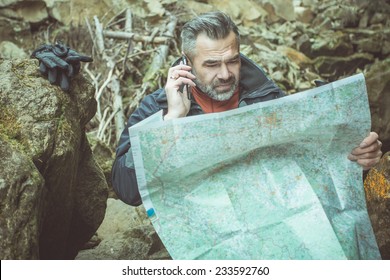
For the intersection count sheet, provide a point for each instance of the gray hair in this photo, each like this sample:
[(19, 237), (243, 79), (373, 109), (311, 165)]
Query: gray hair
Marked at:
[(216, 25)]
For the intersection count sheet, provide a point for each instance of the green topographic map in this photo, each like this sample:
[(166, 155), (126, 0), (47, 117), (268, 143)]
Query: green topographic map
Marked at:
[(265, 181)]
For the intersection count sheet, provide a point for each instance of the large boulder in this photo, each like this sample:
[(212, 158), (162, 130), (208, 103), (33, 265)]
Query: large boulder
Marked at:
[(52, 192)]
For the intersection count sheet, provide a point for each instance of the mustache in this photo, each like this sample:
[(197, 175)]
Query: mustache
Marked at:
[(230, 80)]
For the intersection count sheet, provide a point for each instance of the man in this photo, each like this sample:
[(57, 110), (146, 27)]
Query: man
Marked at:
[(219, 78)]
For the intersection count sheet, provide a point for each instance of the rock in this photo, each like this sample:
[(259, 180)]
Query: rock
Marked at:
[(279, 8), (377, 189), (247, 11), (5, 3), (11, 28), (370, 40), (65, 11), (55, 201), (363, 22), (378, 18), (304, 14), (303, 44), (378, 88), (33, 12), (104, 156), (369, 45), (126, 234), (310, 3), (9, 50), (340, 15), (386, 48), (196, 6), (295, 56), (21, 188), (331, 43), (338, 66)]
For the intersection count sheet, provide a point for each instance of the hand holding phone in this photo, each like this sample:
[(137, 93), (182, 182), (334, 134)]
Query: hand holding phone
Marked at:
[(179, 78)]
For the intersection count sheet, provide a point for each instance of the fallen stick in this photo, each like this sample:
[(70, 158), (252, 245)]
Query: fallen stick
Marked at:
[(135, 37), (117, 107), (99, 35)]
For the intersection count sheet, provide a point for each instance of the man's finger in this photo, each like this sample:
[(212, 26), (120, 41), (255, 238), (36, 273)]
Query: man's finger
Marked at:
[(370, 139), (375, 154), (59, 62), (178, 68), (85, 58), (43, 48), (51, 61), (52, 75), (64, 82), (78, 58), (181, 81), (42, 68), (75, 56), (47, 60), (368, 149), (368, 163)]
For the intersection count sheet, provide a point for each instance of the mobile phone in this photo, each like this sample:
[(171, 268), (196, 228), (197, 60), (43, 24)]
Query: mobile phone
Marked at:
[(181, 88)]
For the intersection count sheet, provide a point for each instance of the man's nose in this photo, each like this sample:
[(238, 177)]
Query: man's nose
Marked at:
[(224, 72)]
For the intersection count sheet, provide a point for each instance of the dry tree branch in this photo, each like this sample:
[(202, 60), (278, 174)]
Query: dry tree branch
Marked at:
[(105, 124), (118, 101), (118, 107), (106, 82), (99, 95), (91, 34), (139, 53), (128, 28), (99, 35), (157, 63), (135, 37), (102, 123), (129, 21), (112, 22)]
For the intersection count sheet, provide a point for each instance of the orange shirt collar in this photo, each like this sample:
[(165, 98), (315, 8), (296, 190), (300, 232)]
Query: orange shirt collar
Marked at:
[(210, 105)]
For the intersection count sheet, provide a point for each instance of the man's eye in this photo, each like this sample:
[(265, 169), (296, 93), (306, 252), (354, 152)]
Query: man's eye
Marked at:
[(212, 65), (234, 61)]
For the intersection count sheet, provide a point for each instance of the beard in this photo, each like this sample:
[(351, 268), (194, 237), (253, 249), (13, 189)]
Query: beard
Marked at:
[(210, 89)]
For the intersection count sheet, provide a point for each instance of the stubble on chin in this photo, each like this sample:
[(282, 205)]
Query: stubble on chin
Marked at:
[(210, 91)]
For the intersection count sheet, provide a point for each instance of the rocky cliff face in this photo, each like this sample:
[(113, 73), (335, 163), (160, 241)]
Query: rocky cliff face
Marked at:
[(52, 193)]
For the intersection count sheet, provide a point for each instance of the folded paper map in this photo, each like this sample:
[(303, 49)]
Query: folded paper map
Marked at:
[(265, 181)]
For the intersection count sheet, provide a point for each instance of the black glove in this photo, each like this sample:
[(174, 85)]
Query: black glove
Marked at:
[(59, 63), (74, 58)]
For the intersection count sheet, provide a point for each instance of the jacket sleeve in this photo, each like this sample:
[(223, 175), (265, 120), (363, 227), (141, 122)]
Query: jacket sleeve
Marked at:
[(123, 175)]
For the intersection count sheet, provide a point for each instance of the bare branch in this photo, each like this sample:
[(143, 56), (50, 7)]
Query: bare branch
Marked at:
[(157, 63), (99, 35), (135, 37), (117, 104)]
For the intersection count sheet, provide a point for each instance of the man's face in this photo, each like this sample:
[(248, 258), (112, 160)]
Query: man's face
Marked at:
[(216, 66)]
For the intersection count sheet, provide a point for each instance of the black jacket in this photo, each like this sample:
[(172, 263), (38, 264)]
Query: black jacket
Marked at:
[(255, 87)]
